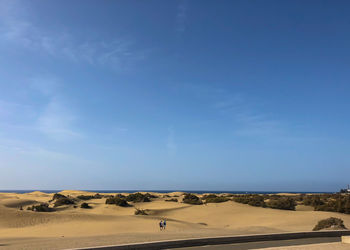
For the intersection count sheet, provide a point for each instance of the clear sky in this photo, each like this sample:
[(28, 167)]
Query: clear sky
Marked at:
[(213, 95)]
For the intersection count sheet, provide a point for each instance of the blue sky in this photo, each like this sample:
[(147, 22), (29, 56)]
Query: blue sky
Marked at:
[(215, 95)]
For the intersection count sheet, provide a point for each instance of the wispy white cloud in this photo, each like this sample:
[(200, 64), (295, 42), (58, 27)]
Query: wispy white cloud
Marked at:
[(50, 116), (18, 30), (56, 121)]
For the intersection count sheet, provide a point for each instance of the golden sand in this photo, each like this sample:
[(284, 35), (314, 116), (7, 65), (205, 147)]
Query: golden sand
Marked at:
[(71, 227)]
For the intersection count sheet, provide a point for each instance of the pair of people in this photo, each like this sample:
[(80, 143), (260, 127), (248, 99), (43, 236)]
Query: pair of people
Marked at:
[(162, 224)]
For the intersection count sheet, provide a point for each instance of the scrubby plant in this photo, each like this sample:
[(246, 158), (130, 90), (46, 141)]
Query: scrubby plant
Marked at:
[(85, 197), (250, 199), (212, 198), (330, 223), (209, 196), (284, 203), (85, 205), (192, 199), (44, 207), (117, 201), (151, 196), (172, 200), (120, 196), (60, 199), (58, 196), (140, 212), (138, 197), (89, 197), (63, 201), (329, 202)]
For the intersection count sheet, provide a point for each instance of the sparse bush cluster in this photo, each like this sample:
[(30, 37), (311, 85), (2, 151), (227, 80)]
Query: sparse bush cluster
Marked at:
[(192, 199), (117, 200), (328, 202), (172, 200), (330, 223), (213, 198), (284, 203), (250, 199), (139, 197), (60, 199), (85, 205), (273, 201), (44, 207), (89, 197)]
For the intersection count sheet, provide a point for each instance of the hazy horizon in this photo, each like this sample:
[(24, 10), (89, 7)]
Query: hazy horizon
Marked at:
[(175, 95)]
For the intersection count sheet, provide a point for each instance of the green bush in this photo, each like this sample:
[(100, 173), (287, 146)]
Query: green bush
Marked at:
[(172, 199), (192, 199), (213, 198), (284, 203), (117, 201), (330, 223), (138, 197), (89, 197), (209, 196), (44, 207), (329, 202), (58, 196), (63, 201), (250, 199), (151, 196), (85, 205)]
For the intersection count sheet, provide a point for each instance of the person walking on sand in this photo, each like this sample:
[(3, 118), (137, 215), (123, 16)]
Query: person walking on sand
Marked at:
[(161, 225), (164, 224)]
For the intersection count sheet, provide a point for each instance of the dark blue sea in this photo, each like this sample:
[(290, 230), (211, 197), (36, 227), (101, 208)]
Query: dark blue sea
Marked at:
[(166, 191)]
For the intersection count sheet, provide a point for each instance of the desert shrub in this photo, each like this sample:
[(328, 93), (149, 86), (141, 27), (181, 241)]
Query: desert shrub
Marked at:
[(151, 196), (329, 202), (117, 201), (257, 201), (166, 196), (250, 199), (89, 197), (217, 199), (172, 199), (85, 197), (44, 207), (285, 203), (120, 196), (209, 196), (138, 197), (85, 205), (330, 223), (140, 212), (63, 201), (192, 199), (58, 196)]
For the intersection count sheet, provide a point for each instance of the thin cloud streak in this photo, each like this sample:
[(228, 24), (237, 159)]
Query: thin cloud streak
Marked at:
[(19, 31)]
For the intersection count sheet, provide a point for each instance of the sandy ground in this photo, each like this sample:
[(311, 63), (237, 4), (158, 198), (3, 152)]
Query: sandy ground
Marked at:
[(109, 224)]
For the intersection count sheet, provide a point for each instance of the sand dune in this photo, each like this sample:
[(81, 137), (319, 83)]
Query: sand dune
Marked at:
[(110, 224)]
